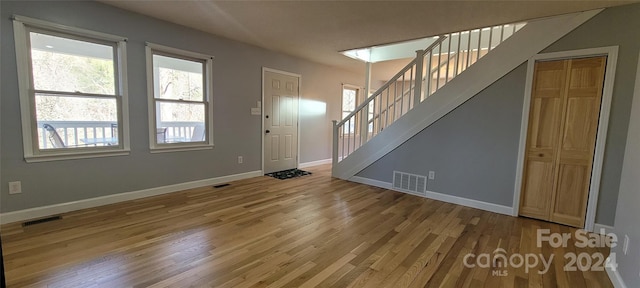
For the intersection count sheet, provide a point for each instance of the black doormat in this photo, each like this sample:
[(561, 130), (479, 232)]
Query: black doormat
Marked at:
[(288, 174)]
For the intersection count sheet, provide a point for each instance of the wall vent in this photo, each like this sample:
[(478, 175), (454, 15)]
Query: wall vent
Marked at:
[(43, 220), (410, 183)]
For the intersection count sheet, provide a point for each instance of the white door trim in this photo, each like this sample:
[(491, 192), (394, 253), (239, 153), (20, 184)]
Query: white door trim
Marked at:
[(299, 76), (605, 107)]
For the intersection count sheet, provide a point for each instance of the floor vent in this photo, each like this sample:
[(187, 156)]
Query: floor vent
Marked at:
[(43, 220), (221, 185), (410, 183)]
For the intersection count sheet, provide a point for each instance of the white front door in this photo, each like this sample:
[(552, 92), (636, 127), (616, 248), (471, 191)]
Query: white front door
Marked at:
[(280, 120)]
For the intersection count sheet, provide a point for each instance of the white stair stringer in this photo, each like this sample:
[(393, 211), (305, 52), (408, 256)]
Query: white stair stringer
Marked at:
[(527, 42)]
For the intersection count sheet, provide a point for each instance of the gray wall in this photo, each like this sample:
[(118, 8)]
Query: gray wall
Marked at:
[(474, 148), (237, 87), (615, 26), (627, 213)]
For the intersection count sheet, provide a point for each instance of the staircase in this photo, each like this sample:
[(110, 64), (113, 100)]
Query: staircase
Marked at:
[(449, 72)]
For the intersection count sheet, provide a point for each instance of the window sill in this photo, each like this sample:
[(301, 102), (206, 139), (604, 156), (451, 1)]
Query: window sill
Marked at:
[(181, 148), (73, 156)]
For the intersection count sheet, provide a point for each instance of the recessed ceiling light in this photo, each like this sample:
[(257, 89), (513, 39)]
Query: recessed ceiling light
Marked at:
[(49, 46)]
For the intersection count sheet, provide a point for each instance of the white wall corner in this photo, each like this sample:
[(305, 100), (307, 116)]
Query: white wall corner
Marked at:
[(44, 211)]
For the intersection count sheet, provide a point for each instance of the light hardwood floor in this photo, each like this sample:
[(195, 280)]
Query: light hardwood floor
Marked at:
[(312, 231)]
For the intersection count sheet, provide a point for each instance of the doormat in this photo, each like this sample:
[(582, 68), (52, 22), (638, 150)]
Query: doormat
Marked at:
[(288, 174)]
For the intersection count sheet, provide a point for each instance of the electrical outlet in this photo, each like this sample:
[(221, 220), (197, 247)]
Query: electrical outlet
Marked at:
[(625, 245), (240, 160), (15, 187), (432, 175)]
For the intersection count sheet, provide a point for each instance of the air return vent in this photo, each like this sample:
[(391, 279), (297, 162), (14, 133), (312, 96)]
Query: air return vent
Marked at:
[(409, 183), (43, 220)]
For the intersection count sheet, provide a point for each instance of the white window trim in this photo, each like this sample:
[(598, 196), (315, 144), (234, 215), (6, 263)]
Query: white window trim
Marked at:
[(208, 94), (351, 87), (32, 153)]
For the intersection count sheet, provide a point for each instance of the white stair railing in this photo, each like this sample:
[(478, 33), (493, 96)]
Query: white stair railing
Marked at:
[(432, 68)]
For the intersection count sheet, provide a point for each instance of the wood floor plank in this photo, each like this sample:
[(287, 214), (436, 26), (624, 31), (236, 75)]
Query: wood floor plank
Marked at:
[(311, 231)]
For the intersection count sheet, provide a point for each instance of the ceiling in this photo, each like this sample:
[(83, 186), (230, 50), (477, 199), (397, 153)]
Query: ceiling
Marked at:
[(317, 30)]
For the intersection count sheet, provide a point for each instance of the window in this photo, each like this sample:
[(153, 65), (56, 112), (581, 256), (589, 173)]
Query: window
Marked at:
[(350, 100), (349, 103), (180, 99), (72, 91)]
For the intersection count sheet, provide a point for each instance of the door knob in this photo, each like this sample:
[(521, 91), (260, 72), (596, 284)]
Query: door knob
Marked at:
[(267, 131)]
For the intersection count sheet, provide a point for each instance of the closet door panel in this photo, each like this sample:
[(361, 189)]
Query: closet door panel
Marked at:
[(577, 147), (542, 139)]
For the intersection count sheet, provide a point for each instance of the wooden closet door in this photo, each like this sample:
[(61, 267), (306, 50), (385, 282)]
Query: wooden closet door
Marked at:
[(563, 123), (577, 144), (544, 126)]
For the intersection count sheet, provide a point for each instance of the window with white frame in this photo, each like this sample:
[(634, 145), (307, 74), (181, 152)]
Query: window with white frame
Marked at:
[(349, 103), (180, 98), (72, 90)]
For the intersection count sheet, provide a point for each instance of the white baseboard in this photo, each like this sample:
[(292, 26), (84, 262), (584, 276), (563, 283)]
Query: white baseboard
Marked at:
[(491, 207), (371, 182), (615, 278), (315, 163), (45, 211), (599, 228), (500, 209), (614, 275)]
